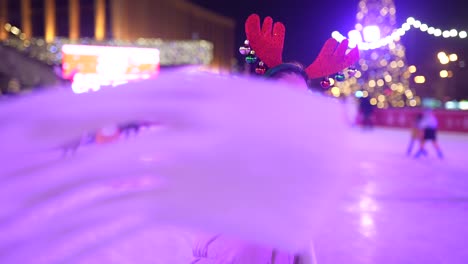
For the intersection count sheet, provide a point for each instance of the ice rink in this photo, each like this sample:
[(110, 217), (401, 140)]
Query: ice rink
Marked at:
[(401, 210)]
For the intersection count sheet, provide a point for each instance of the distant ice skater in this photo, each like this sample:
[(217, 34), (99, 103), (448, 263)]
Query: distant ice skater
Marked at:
[(416, 134), (429, 127)]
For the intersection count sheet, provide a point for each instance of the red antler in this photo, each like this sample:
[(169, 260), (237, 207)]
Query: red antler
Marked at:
[(268, 41), (332, 59)]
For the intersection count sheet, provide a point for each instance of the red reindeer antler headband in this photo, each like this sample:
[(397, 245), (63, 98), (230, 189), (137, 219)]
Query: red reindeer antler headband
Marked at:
[(267, 43)]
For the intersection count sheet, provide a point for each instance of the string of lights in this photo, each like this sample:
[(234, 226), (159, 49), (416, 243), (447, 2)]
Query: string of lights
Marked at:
[(183, 52), (411, 23)]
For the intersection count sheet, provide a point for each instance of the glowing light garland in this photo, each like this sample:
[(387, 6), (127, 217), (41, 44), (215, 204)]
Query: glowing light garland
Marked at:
[(398, 33), (190, 52), (183, 52)]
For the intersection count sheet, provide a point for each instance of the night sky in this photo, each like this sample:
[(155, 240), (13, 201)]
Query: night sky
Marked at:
[(309, 23)]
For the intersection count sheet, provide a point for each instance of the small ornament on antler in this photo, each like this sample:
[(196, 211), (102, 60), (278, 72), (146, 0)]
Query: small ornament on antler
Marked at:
[(332, 59), (325, 83), (352, 71), (251, 58), (267, 41), (340, 77), (245, 50), (261, 68)]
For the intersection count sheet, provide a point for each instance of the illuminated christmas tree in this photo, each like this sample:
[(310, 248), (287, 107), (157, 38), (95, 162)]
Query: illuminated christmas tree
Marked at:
[(382, 71)]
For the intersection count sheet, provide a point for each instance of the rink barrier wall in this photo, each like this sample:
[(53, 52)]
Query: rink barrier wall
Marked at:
[(453, 121)]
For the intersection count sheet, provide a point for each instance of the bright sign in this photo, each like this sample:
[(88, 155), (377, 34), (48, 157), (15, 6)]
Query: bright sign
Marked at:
[(91, 67)]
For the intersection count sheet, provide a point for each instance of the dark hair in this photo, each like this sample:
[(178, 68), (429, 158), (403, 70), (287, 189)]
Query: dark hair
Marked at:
[(286, 68), (419, 116)]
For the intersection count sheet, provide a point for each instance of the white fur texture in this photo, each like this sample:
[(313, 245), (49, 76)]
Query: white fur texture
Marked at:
[(250, 159)]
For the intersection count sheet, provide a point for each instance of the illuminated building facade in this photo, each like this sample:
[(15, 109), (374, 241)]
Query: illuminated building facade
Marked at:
[(120, 20)]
